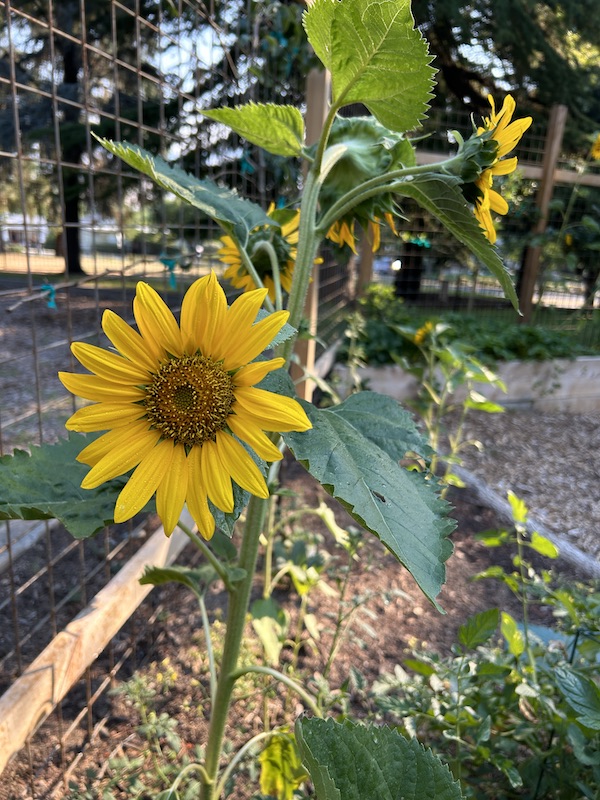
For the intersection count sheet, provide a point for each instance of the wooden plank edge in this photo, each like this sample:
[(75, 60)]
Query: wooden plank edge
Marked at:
[(33, 696)]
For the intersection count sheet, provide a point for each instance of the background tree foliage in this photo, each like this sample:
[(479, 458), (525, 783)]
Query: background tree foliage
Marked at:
[(543, 52)]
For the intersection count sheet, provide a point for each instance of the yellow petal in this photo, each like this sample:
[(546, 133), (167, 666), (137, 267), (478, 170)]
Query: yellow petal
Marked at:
[(240, 465), (216, 479), (92, 387), (155, 320), (103, 416), (196, 496), (214, 310), (144, 481), (249, 432), (103, 445), (256, 371), (244, 348), (109, 365), (172, 490), (127, 341), (126, 455), (272, 412), (504, 167), (193, 315), (241, 315), (498, 203)]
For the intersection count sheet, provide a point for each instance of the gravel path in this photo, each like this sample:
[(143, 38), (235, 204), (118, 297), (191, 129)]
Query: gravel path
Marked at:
[(551, 461)]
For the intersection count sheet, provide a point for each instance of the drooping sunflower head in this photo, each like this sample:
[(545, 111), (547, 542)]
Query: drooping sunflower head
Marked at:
[(282, 238), (595, 149), (499, 134), (179, 403)]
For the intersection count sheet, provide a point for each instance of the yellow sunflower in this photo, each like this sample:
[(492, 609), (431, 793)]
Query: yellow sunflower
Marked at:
[(283, 239), (506, 134), (342, 232), (177, 401), (595, 149)]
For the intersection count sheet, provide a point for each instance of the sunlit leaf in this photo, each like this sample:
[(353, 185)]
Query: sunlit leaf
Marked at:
[(354, 450), (375, 56), (277, 129)]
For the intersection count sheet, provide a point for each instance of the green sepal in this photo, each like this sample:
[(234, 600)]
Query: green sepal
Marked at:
[(354, 450), (442, 197), (351, 761), (375, 56), (47, 485), (235, 215), (277, 129)]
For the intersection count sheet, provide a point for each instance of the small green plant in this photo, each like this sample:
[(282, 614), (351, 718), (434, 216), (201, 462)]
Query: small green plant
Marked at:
[(447, 374), (517, 717)]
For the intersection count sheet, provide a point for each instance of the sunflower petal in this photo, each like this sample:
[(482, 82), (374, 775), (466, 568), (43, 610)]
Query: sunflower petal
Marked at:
[(109, 365), (144, 481), (242, 312), (498, 203), (249, 432), (217, 480), (193, 317), (172, 490), (103, 416), (240, 465), (156, 321), (103, 445), (271, 411), (127, 341), (196, 495), (93, 387), (126, 455), (256, 371), (245, 346)]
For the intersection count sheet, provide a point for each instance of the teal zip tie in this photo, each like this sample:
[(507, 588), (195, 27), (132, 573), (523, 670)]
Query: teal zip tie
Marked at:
[(48, 287), (170, 264)]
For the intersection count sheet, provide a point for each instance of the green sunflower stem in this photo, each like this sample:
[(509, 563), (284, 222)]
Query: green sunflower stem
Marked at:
[(251, 270), (239, 598), (270, 251)]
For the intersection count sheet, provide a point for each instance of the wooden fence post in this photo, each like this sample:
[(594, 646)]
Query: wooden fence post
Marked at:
[(317, 105), (556, 127)]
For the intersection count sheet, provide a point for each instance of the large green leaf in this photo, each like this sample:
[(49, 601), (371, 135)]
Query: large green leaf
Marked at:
[(349, 761), (375, 57), (236, 215), (47, 485), (479, 628), (278, 129), (354, 450), (442, 197), (582, 694)]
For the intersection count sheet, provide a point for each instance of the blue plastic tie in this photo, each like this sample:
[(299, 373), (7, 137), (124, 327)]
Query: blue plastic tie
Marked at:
[(48, 287), (170, 264)]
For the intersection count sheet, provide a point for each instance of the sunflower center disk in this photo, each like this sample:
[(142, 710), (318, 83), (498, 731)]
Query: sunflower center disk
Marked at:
[(189, 399)]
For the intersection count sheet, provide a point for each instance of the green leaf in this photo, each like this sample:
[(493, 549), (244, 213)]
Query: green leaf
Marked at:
[(582, 694), (236, 215), (542, 545), (195, 579), (349, 761), (277, 129), (512, 634), (270, 623), (518, 508), (281, 770), (354, 450), (47, 485), (443, 198), (479, 628), (375, 56)]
